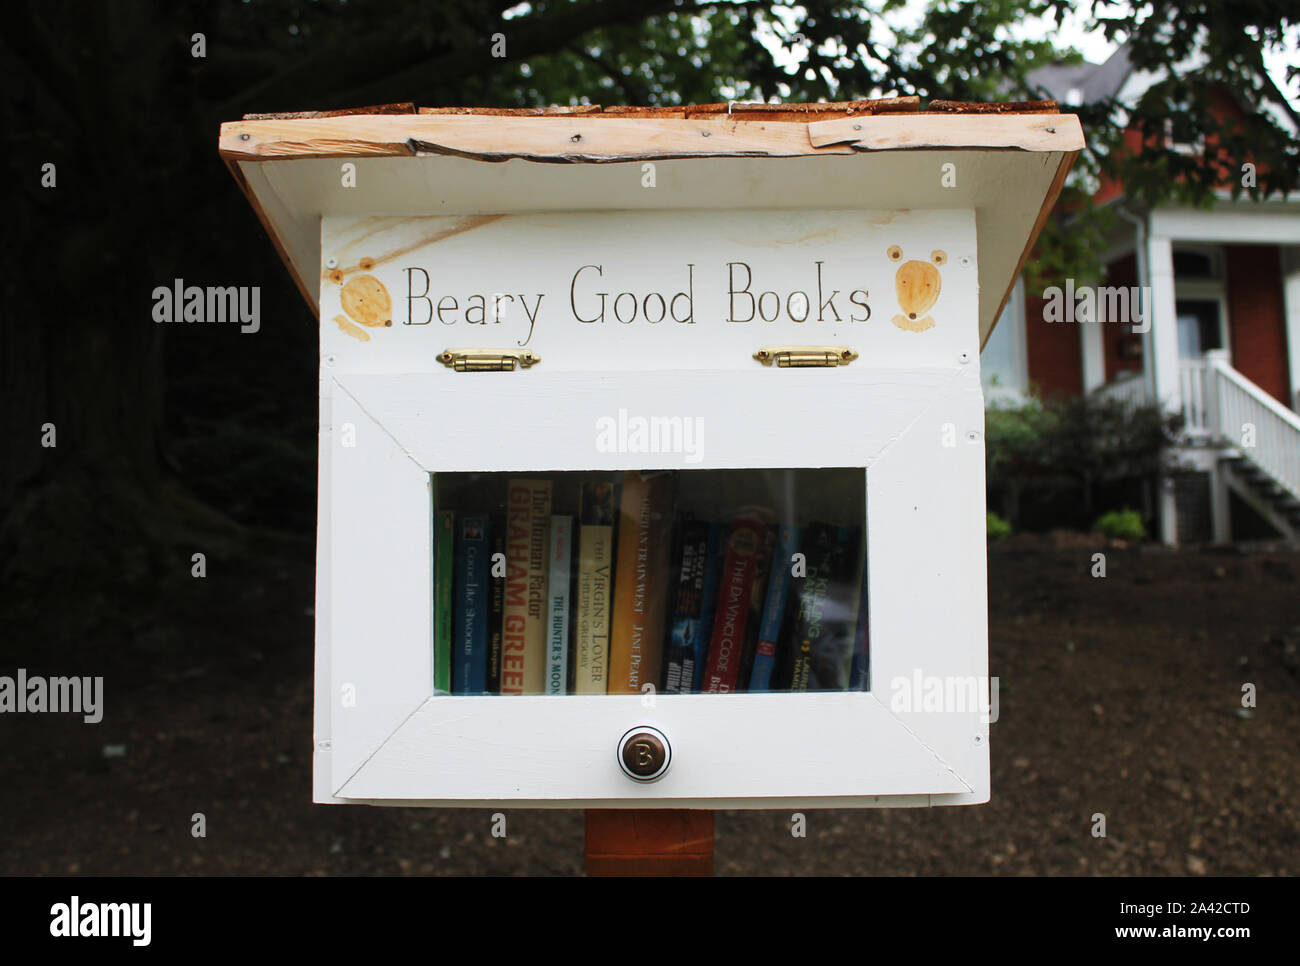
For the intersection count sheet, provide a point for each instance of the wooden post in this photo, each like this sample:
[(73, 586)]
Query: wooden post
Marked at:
[(625, 842)]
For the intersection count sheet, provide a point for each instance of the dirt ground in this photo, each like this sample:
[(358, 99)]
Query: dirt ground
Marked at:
[(1119, 695)]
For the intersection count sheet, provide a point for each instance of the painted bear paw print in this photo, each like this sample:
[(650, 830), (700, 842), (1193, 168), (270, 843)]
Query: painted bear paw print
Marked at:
[(366, 302), (917, 286)]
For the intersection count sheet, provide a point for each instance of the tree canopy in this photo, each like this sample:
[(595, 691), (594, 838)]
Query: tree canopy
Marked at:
[(115, 97)]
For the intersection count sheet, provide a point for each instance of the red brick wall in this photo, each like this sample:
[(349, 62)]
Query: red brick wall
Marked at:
[(1225, 110), (1052, 352), (1116, 338), (1256, 316)]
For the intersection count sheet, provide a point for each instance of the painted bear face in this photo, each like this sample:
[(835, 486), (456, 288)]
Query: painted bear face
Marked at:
[(366, 300), (917, 283)]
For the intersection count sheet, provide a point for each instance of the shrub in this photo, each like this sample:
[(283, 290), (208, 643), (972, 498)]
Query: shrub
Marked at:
[(1121, 525), (995, 526)]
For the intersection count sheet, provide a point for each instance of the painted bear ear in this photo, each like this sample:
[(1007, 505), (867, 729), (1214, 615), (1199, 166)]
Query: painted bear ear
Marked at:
[(938, 256), (894, 253)]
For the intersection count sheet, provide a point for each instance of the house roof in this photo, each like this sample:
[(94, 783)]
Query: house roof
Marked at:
[(1011, 160), (1093, 82)]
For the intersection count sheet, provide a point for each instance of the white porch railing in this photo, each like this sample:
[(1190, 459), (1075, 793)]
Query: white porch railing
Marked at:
[(1246, 417), (1220, 404), (1193, 378)]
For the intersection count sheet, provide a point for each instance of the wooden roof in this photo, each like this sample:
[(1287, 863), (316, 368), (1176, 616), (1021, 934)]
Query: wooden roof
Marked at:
[(1022, 152)]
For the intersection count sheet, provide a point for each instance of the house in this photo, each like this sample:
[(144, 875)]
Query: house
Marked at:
[(1199, 309)]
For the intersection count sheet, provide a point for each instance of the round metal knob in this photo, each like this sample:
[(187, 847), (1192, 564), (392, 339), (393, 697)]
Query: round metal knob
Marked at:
[(644, 754)]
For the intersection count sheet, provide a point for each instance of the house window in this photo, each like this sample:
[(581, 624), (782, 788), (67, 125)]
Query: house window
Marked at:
[(1002, 361), (1197, 263)]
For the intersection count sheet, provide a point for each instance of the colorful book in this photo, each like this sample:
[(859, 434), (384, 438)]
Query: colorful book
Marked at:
[(641, 583), (559, 568), (594, 583), (496, 606), (692, 557), (523, 644), (735, 597), (469, 661), (778, 590), (708, 601), (444, 541)]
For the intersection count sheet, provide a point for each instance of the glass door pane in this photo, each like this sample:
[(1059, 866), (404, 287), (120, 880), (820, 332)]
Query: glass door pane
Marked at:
[(681, 581)]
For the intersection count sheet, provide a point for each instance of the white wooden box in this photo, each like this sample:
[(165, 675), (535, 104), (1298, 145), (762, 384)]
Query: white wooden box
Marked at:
[(431, 231)]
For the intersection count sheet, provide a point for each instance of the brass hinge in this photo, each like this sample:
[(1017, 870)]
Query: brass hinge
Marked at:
[(488, 360), (801, 356)]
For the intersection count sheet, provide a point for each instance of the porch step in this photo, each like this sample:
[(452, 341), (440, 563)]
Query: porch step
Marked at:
[(1263, 494)]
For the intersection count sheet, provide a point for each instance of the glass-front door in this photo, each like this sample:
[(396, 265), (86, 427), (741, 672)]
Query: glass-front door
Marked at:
[(1200, 327)]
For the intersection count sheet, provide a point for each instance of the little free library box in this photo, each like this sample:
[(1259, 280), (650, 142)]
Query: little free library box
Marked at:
[(651, 443)]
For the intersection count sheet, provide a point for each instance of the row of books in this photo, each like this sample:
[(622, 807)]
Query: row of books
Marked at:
[(630, 595)]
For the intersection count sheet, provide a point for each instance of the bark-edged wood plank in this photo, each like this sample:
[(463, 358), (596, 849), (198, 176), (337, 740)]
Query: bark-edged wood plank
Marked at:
[(1026, 132), (583, 138)]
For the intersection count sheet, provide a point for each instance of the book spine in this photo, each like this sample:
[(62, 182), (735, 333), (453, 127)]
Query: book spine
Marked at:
[(811, 593), (523, 650), (538, 637), (470, 656), (496, 608), (640, 585), (559, 565), (443, 568), (833, 652), (778, 589), (595, 573), (735, 596), (708, 602), (679, 677), (860, 668)]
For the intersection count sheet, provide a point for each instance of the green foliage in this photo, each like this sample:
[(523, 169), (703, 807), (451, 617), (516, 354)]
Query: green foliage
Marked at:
[(1013, 436), (1197, 52), (1075, 445), (995, 526), (86, 76), (1123, 524)]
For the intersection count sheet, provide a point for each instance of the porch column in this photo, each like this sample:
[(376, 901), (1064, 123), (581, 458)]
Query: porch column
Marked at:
[(1160, 342), (1093, 352), (1291, 302), (1160, 359)]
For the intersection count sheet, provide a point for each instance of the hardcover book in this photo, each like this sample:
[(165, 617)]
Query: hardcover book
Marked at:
[(559, 554), (469, 661), (443, 567), (523, 642), (641, 583), (594, 583)]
